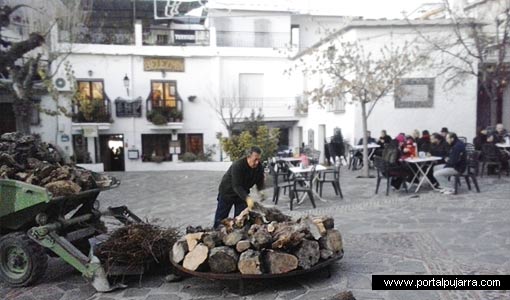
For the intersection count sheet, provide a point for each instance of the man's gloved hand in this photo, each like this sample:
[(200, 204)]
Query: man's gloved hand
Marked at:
[(249, 202), (262, 196)]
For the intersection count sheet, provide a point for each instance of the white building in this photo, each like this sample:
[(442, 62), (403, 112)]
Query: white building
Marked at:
[(134, 70), (428, 107)]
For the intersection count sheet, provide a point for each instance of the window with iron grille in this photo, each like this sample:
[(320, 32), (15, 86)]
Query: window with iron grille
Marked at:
[(126, 109)]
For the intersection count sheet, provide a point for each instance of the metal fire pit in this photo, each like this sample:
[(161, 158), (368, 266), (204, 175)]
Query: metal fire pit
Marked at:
[(242, 277)]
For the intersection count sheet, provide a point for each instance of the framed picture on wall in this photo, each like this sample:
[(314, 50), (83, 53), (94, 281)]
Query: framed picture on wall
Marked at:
[(414, 93), (133, 154)]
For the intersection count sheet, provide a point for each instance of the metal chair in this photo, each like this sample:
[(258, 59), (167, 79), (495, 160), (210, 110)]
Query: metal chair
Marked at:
[(279, 183), (470, 173), (384, 170), (491, 157), (304, 184), (334, 179)]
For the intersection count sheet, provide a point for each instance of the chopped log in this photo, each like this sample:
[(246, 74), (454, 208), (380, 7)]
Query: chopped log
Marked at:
[(308, 254), (270, 213), (179, 250), (223, 260), (243, 245), (260, 238), (271, 227), (195, 229), (332, 241), (325, 254), (63, 188), (211, 239), (288, 236), (280, 262), (312, 228), (233, 238), (227, 225), (327, 222), (343, 296), (242, 218), (196, 257), (249, 262), (193, 239)]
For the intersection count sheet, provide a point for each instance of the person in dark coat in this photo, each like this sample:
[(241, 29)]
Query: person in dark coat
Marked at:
[(235, 185), (424, 142), (438, 145), (384, 140), (480, 139), (371, 140), (455, 163)]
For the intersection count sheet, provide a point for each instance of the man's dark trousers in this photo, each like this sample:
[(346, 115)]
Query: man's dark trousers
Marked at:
[(224, 206)]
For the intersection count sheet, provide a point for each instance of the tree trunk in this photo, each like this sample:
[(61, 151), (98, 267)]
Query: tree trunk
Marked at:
[(249, 262), (223, 260), (365, 137), (23, 124)]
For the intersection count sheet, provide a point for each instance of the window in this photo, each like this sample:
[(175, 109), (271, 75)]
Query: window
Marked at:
[(161, 39), (91, 102), (192, 142), (125, 108), (294, 36), (164, 93), (80, 146), (156, 147), (91, 90), (337, 105), (251, 90)]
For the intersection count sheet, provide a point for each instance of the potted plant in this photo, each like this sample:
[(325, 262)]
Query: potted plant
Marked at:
[(177, 115)]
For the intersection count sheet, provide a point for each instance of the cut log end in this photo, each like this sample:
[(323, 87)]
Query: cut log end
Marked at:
[(223, 260), (196, 258)]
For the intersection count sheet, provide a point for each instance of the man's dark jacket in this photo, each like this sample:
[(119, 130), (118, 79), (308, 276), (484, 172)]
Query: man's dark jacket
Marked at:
[(239, 178), (457, 157)]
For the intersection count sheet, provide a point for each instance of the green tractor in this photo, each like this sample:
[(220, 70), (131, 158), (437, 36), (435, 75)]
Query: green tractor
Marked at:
[(34, 224)]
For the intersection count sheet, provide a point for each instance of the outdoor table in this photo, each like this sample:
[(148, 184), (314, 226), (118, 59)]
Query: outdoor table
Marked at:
[(503, 145), (359, 148), (423, 166), (300, 171), (291, 161)]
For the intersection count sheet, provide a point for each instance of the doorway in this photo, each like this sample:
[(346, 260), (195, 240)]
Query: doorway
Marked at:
[(8, 123), (112, 152)]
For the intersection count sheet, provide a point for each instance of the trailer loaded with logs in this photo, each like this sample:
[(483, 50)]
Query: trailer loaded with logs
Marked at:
[(259, 243)]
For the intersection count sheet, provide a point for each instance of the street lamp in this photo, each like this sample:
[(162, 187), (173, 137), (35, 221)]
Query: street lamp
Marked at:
[(126, 83)]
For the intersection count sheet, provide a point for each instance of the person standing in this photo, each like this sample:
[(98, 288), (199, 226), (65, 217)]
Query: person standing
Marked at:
[(234, 189), (455, 163)]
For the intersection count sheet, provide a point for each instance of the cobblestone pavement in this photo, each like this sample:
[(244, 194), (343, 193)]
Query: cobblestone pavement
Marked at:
[(424, 233)]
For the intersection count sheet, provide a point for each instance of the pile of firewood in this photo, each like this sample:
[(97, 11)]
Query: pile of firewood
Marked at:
[(262, 240), (27, 158)]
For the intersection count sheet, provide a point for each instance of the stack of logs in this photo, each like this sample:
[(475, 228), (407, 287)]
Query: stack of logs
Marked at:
[(259, 241), (28, 159)]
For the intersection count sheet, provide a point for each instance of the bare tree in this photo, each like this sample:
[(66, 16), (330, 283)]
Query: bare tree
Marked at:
[(229, 111), (25, 65), (360, 76), (476, 47)]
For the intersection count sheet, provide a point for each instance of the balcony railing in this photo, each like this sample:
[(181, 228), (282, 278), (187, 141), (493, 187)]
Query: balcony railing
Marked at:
[(176, 37), (271, 107), (161, 112), (92, 111), (252, 39), (103, 36)]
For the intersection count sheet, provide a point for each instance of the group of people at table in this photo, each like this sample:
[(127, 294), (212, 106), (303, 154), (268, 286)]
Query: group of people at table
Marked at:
[(436, 156)]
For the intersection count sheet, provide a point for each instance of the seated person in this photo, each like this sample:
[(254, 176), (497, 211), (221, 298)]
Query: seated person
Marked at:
[(392, 155), (501, 133), (455, 163), (503, 155), (480, 139), (384, 140), (424, 142), (438, 146), (408, 149), (371, 140)]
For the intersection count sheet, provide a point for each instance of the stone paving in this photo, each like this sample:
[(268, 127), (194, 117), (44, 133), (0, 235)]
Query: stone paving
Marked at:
[(424, 233)]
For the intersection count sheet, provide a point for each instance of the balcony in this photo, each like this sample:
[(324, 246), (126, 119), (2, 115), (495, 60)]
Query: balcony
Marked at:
[(166, 114), (162, 36), (92, 111), (101, 36), (278, 108), (252, 39)]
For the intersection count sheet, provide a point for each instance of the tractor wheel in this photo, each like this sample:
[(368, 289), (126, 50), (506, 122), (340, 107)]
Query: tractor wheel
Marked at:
[(22, 261)]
